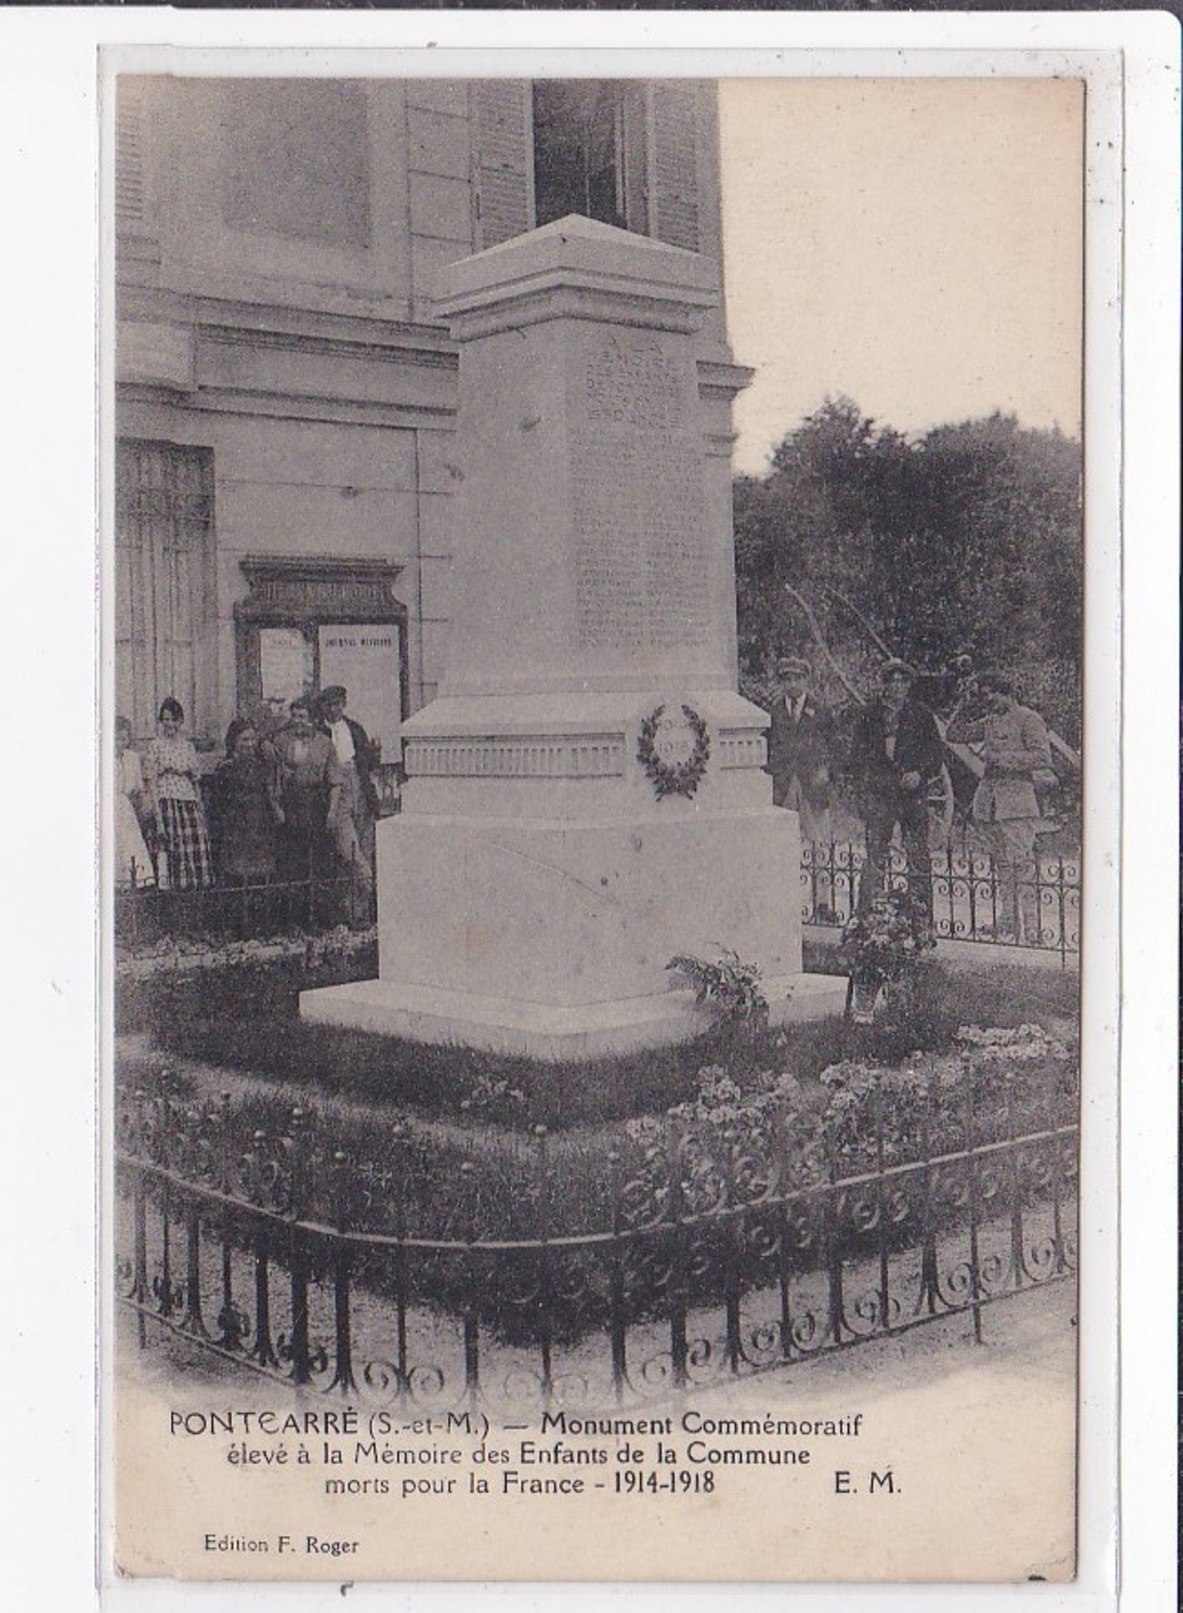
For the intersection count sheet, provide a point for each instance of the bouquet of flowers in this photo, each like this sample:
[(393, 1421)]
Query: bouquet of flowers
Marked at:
[(882, 945)]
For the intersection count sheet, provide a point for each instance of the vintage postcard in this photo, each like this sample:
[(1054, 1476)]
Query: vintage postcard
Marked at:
[(598, 584)]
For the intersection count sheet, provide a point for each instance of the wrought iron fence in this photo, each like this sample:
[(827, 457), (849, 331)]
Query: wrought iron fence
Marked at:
[(709, 1256), (1036, 907), (144, 913), (970, 900)]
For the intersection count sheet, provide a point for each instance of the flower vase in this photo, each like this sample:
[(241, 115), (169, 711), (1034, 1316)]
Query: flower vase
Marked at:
[(865, 994)]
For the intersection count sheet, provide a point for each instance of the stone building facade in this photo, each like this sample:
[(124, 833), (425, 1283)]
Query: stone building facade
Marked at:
[(285, 396)]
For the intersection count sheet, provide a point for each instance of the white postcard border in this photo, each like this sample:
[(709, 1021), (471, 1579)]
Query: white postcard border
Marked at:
[(51, 65)]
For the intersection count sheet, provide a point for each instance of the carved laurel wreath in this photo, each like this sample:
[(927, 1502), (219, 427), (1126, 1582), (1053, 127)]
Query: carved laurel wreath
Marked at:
[(674, 778)]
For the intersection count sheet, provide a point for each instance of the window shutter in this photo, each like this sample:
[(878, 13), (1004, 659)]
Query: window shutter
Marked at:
[(135, 671), (131, 208), (503, 154), (675, 163), (164, 496)]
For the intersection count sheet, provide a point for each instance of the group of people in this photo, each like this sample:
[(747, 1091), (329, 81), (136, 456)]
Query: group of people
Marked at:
[(295, 804), (300, 802), (896, 754)]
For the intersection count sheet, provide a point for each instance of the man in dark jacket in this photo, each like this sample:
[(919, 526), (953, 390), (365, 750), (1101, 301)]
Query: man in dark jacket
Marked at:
[(896, 752), (800, 750)]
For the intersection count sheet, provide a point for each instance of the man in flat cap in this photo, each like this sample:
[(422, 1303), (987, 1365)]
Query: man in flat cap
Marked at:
[(896, 753), (800, 750), (351, 820)]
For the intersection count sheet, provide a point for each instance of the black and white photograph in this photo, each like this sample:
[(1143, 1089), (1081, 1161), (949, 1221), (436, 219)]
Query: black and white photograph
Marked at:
[(595, 609)]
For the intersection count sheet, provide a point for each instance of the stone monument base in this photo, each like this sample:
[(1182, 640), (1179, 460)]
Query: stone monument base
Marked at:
[(552, 1034), (565, 912), (551, 937)]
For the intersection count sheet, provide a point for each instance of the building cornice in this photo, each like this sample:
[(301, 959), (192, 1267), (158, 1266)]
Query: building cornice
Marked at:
[(722, 379), (331, 410), (279, 326), (287, 588), (162, 336)]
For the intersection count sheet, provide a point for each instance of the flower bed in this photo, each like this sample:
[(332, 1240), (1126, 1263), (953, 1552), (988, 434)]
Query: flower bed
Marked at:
[(857, 1117), (240, 1013), (994, 1083), (726, 1162)]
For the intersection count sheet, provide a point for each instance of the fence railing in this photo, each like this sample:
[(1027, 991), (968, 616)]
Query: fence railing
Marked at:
[(1038, 908), (144, 913), (1037, 905), (710, 1256)]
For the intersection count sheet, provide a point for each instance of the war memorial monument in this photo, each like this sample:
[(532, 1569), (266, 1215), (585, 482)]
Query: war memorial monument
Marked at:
[(586, 797)]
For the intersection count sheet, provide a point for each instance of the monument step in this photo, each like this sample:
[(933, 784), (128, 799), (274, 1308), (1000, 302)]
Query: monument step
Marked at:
[(551, 1034)]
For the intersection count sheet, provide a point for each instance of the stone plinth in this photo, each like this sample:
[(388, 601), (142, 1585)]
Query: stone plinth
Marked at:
[(511, 1027), (586, 798), (610, 903)]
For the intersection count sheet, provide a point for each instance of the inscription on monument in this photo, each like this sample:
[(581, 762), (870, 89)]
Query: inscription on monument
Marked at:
[(631, 382), (641, 560)]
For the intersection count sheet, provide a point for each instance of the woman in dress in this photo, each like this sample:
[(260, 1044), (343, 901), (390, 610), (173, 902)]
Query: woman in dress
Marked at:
[(133, 865), (244, 810), (170, 765)]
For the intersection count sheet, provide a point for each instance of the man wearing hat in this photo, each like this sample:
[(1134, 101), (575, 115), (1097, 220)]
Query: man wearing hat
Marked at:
[(896, 753), (351, 822), (1017, 753), (307, 786), (800, 750)]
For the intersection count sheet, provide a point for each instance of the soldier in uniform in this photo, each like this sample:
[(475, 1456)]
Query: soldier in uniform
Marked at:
[(1016, 750)]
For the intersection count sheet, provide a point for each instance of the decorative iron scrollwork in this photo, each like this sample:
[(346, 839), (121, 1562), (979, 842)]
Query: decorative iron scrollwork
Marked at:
[(719, 1250)]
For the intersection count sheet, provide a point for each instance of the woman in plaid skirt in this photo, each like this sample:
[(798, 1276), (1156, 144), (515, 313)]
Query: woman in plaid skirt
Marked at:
[(171, 773)]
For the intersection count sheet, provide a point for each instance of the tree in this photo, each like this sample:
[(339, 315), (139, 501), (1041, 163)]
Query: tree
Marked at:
[(967, 536)]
